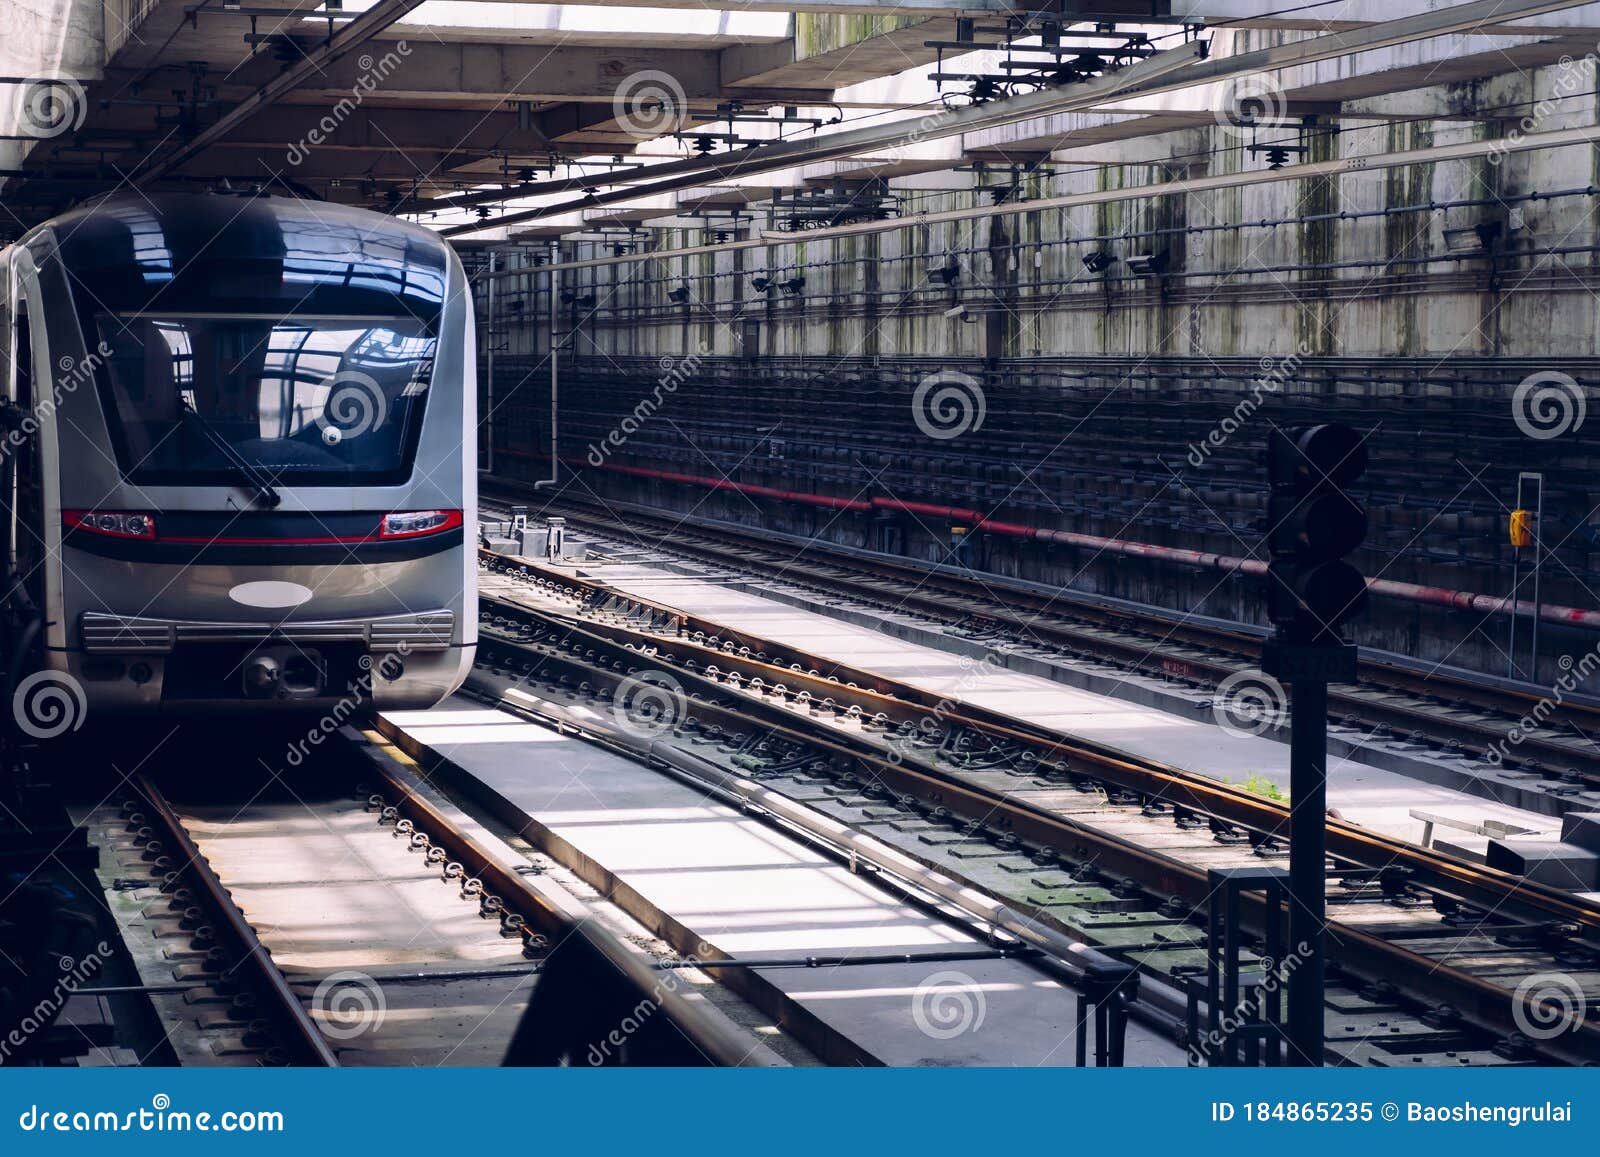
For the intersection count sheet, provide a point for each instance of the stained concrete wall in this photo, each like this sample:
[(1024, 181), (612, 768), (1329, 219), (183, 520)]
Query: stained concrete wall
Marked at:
[(1353, 272), (1244, 289)]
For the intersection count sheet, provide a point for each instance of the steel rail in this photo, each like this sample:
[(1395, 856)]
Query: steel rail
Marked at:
[(972, 599), (1486, 1004), (1448, 875), (255, 956), (1356, 702), (719, 1041), (1161, 1006)]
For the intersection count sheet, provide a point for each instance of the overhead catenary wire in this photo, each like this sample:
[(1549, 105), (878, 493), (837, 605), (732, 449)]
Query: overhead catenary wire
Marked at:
[(1434, 154)]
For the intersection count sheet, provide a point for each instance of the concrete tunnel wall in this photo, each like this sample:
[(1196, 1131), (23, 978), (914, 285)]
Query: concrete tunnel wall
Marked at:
[(1247, 296)]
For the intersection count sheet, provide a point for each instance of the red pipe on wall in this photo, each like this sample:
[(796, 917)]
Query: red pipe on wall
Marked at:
[(743, 488), (859, 505), (1203, 560), (969, 517)]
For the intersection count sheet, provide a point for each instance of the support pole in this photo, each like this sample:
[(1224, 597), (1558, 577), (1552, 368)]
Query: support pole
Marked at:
[(1308, 808), (555, 409), (489, 335), (1313, 523)]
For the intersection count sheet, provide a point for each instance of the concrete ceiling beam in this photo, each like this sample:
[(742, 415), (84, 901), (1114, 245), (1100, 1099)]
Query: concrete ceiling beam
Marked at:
[(829, 52), (1359, 14), (440, 75)]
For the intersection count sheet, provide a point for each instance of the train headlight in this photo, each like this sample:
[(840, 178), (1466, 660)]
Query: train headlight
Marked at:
[(410, 523), (117, 524)]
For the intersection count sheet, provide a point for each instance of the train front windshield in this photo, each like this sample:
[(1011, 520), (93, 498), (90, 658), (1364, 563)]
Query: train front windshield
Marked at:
[(259, 337), (303, 399)]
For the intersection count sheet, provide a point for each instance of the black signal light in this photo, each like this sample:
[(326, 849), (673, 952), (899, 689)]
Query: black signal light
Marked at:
[(1313, 522)]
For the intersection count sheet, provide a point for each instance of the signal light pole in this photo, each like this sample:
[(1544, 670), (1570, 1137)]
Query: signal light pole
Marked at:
[(1311, 524)]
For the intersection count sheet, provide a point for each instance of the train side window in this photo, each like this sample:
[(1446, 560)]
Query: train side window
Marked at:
[(30, 550), (5, 332), (23, 391)]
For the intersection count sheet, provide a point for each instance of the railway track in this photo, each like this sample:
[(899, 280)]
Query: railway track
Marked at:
[(232, 967), (377, 925), (1451, 714), (1438, 960)]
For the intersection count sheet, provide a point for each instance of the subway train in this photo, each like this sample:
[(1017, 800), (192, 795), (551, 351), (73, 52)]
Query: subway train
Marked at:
[(238, 461)]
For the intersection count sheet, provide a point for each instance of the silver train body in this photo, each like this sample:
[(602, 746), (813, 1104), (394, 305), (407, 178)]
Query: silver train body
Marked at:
[(241, 457)]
